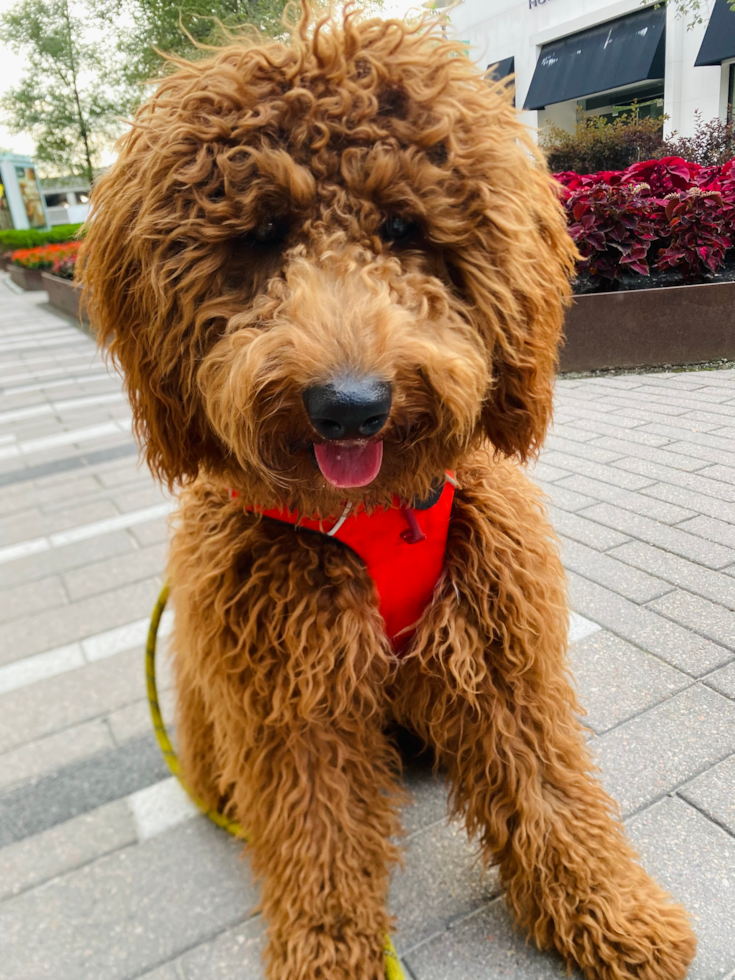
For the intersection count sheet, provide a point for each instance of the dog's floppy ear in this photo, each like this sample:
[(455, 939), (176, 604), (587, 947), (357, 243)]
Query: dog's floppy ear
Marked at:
[(518, 281), (143, 285)]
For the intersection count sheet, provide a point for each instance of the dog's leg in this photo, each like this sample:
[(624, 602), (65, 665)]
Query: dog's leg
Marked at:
[(282, 632), (487, 685)]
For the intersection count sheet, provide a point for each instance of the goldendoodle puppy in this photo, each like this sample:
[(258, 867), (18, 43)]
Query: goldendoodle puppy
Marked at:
[(333, 272)]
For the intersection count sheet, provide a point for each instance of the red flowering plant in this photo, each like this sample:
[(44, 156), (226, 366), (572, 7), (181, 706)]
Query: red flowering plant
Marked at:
[(700, 226), (46, 257), (662, 176), (613, 228)]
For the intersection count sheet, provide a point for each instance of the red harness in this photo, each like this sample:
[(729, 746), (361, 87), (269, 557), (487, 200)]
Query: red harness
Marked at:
[(401, 548)]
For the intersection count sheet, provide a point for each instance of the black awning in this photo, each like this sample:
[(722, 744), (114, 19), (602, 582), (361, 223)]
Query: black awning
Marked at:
[(611, 55), (501, 69), (719, 38)]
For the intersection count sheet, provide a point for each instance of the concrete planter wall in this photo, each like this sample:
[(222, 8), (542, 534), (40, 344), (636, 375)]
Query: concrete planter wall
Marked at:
[(648, 327), (64, 294), (28, 279)]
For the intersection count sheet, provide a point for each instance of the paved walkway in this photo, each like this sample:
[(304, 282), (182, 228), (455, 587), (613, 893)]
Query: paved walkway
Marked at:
[(106, 874)]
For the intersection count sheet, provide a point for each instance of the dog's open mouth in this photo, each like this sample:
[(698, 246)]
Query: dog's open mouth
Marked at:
[(349, 462)]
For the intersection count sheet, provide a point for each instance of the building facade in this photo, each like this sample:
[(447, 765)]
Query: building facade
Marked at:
[(21, 203), (573, 59)]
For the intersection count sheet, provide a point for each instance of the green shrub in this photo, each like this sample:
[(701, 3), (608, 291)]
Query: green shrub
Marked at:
[(13, 239), (712, 145), (599, 145)]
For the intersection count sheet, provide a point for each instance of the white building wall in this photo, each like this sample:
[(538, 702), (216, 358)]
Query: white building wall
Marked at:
[(497, 29)]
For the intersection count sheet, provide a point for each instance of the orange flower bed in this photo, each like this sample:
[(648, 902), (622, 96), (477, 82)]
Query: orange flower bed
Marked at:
[(47, 256)]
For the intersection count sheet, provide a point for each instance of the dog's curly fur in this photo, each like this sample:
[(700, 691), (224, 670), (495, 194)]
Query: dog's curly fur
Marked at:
[(237, 255)]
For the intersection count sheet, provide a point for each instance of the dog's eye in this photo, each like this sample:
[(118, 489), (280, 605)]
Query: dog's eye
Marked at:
[(398, 229), (270, 232)]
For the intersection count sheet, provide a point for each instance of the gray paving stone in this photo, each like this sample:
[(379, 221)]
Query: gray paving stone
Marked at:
[(617, 681), (128, 911), (672, 568), (563, 498), (544, 471), (624, 404), (654, 753), (566, 431), (70, 698), (30, 862), (80, 787), (151, 533), (585, 531), (646, 629), (699, 482), (484, 947), (32, 597), (441, 867), (168, 971), (48, 754), (597, 471), (620, 447), (114, 572), (234, 955), (428, 799), (134, 719), (18, 497), (566, 412), (714, 793), (723, 680), (695, 860), (657, 510), (35, 567), (676, 403), (56, 627), (693, 500), (662, 535), (713, 530), (613, 574), (137, 498), (707, 449), (585, 450), (613, 429), (698, 614)]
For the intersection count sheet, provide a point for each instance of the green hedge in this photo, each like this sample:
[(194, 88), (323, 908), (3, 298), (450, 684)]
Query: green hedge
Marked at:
[(12, 239)]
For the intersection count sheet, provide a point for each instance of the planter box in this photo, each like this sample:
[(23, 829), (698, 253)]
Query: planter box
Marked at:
[(29, 279), (650, 327), (64, 295)]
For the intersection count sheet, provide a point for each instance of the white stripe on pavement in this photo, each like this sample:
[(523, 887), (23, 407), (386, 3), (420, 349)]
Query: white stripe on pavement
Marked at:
[(67, 404), (58, 341), (579, 627), (160, 807), (23, 389), (30, 670), (41, 666), (38, 668), (121, 638), (29, 446), (88, 365), (85, 531)]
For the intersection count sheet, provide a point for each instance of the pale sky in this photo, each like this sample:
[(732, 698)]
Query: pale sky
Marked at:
[(11, 67)]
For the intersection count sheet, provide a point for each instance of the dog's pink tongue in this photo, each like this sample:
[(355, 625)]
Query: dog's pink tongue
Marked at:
[(349, 464)]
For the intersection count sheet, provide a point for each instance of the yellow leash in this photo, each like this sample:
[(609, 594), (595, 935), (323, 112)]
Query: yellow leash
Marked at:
[(393, 969)]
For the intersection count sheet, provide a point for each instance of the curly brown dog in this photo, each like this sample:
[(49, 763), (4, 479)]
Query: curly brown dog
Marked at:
[(333, 271)]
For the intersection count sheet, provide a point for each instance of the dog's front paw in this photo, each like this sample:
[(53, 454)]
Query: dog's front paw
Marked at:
[(635, 934)]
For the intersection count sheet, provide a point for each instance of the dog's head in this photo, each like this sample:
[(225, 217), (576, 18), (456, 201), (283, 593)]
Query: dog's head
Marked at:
[(328, 268)]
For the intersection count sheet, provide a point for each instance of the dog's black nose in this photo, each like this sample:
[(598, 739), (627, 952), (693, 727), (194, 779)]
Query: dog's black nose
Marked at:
[(348, 408)]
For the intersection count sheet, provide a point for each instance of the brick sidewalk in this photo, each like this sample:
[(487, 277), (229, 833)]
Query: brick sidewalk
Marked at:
[(105, 871)]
